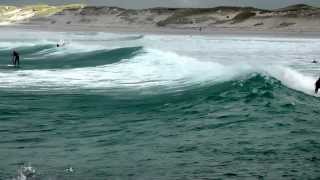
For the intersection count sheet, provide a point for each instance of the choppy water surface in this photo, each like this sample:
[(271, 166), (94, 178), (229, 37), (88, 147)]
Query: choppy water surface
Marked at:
[(111, 106)]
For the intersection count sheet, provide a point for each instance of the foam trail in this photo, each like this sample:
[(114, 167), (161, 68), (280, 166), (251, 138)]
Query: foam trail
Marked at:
[(292, 78), (10, 45)]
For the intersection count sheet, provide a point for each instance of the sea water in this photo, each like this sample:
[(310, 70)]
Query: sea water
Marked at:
[(131, 106)]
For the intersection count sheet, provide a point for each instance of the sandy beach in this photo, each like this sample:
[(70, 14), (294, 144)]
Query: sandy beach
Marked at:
[(165, 31)]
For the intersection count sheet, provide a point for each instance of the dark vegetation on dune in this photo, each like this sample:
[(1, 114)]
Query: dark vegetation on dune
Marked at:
[(180, 16), (243, 16), (297, 7), (96, 11)]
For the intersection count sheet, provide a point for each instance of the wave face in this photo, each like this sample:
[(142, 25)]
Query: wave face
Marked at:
[(131, 106)]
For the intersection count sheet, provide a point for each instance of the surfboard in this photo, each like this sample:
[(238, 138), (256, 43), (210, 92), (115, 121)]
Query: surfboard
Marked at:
[(8, 66), (12, 66)]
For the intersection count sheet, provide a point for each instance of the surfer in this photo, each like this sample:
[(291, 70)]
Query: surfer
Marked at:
[(15, 58), (61, 43), (317, 86), (314, 61)]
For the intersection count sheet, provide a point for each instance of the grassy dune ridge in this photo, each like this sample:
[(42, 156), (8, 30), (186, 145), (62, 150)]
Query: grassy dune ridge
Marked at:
[(12, 14), (299, 17)]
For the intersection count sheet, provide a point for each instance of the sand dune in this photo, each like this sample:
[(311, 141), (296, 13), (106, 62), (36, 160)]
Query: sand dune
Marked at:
[(12, 14), (293, 18)]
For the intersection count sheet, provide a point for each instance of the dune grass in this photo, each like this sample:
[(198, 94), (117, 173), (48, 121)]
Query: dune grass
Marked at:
[(180, 16), (13, 14), (45, 10)]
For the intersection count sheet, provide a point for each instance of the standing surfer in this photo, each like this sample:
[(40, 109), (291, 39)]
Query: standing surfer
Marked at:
[(317, 86), (15, 58)]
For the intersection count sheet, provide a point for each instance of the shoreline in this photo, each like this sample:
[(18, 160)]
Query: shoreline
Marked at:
[(165, 30)]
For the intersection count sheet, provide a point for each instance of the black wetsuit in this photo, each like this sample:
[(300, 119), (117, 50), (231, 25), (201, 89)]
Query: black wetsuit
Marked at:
[(15, 58), (317, 86)]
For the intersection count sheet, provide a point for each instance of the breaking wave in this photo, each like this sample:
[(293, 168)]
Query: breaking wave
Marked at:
[(47, 67)]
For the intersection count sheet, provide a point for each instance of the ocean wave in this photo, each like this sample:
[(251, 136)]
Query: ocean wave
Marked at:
[(137, 68), (136, 63), (149, 68), (45, 57)]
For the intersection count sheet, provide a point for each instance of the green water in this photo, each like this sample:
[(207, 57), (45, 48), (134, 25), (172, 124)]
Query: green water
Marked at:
[(54, 117)]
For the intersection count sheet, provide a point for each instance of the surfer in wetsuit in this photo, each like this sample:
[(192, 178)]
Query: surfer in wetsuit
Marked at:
[(15, 58), (317, 86)]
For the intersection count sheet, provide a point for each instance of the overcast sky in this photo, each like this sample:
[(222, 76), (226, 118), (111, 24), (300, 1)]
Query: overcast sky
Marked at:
[(267, 4)]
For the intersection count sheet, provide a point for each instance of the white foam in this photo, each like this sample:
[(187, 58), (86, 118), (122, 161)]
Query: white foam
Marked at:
[(292, 78), (10, 45), (152, 68), (25, 173), (169, 60)]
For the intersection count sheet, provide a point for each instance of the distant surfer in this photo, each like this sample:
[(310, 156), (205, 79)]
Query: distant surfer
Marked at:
[(61, 43), (317, 86), (15, 58), (314, 61)]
